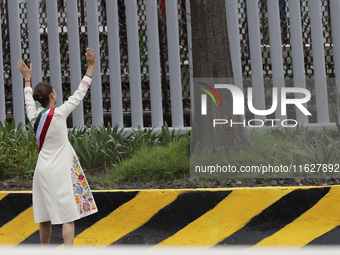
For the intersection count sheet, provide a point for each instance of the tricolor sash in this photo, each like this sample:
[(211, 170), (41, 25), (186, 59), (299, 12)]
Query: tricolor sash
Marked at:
[(42, 124)]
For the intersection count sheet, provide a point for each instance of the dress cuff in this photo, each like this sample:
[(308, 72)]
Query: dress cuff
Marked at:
[(28, 90), (86, 81), (87, 78)]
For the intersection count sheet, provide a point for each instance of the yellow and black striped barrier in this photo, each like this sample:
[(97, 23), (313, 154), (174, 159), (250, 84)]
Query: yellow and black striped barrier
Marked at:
[(253, 216)]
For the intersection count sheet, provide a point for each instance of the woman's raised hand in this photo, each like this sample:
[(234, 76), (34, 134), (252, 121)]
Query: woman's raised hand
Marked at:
[(90, 57), (24, 70)]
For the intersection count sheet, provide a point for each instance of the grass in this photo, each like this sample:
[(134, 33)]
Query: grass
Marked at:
[(153, 164)]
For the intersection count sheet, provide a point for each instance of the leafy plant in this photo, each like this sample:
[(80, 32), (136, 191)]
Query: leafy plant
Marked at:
[(270, 156), (335, 111), (5, 160), (168, 137), (142, 137), (316, 153), (100, 146), (292, 135), (19, 150)]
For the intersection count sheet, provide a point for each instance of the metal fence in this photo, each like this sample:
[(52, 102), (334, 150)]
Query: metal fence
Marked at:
[(51, 31), (65, 54)]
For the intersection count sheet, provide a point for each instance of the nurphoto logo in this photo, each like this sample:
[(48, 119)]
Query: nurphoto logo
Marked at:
[(238, 105)]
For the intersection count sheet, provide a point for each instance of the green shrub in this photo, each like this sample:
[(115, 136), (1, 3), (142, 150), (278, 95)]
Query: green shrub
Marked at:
[(156, 163), (98, 147), (140, 138), (5, 160), (18, 150), (168, 137), (24, 151)]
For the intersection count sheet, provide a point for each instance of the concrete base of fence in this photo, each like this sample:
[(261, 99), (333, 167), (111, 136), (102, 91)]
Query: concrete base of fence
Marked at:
[(269, 216)]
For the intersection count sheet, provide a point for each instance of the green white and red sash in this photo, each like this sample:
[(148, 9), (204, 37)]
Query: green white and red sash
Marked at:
[(42, 124)]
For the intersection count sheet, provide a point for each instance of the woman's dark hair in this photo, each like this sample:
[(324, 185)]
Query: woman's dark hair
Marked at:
[(42, 93)]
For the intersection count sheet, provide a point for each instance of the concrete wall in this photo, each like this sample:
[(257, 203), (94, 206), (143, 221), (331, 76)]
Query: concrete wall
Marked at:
[(296, 216)]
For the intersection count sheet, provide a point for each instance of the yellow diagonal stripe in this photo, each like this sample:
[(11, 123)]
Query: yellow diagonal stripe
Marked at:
[(321, 218), (227, 217), (19, 228), (126, 218), (2, 195)]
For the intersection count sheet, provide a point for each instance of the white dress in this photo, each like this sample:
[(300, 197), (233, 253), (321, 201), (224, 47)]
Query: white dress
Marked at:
[(61, 192)]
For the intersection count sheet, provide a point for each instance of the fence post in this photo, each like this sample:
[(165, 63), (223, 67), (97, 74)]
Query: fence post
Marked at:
[(114, 63), (297, 53), (320, 80), (134, 64), (34, 40), (17, 79), (74, 53), (93, 42), (189, 33), (54, 48), (276, 50), (174, 64), (234, 41), (2, 84), (256, 56), (335, 19), (154, 63)]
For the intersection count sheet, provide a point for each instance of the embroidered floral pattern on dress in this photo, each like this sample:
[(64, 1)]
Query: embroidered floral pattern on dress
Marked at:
[(28, 92), (81, 190), (85, 83)]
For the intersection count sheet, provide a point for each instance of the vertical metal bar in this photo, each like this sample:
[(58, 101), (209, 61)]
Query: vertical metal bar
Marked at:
[(174, 64), (134, 64), (54, 48), (319, 62), (189, 36), (234, 41), (154, 63), (162, 47), (96, 85), (114, 63), (34, 40), (256, 56), (276, 50), (2, 84), (74, 58), (17, 80), (335, 17), (297, 53)]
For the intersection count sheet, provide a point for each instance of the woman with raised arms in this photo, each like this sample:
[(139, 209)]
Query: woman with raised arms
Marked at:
[(61, 193)]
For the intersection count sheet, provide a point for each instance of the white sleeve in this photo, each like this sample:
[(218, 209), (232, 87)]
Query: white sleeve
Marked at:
[(73, 101), (31, 109)]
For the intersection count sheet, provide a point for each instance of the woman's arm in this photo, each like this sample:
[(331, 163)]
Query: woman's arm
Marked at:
[(26, 72), (31, 109), (73, 101), (91, 61)]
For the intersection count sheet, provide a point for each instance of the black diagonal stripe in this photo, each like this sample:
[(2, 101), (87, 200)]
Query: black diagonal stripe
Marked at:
[(12, 205), (276, 216), (106, 202), (331, 237), (186, 208)]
